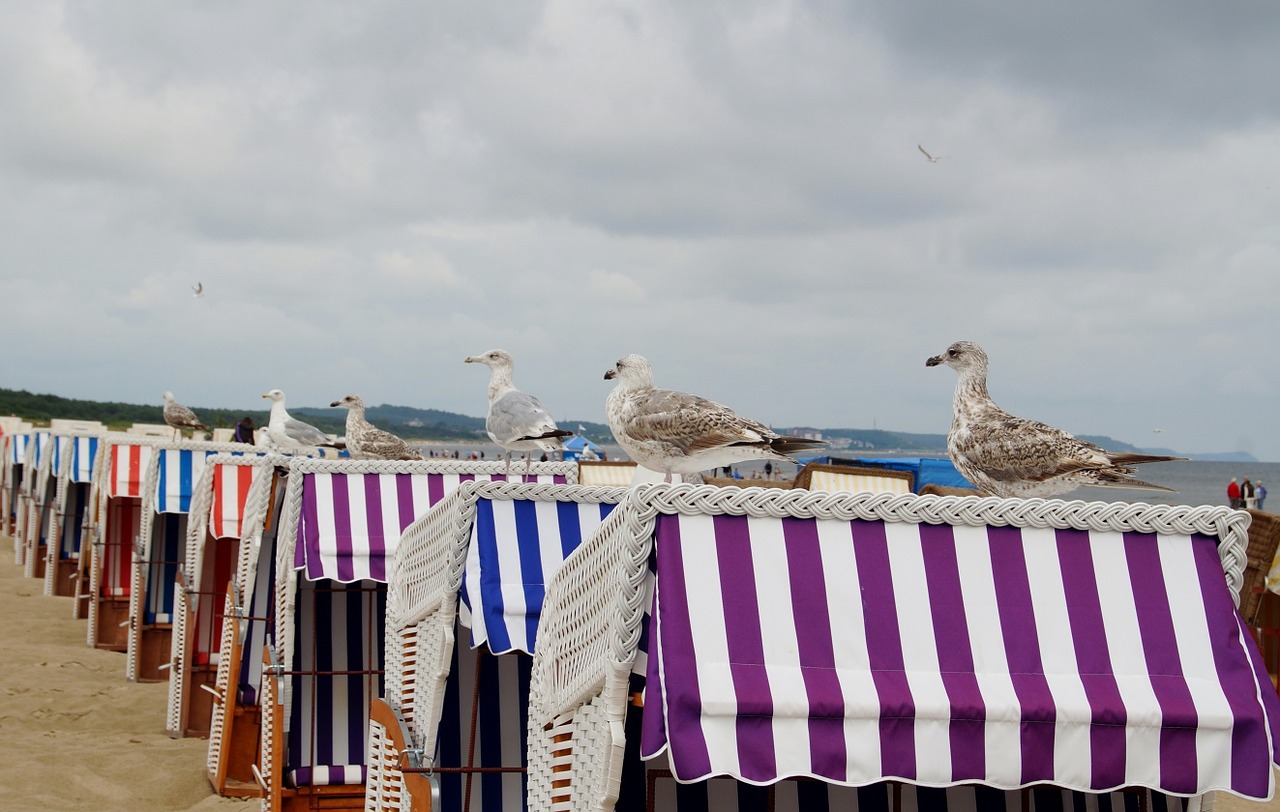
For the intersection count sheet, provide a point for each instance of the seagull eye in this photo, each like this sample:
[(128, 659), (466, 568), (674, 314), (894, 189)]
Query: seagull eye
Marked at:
[(953, 353)]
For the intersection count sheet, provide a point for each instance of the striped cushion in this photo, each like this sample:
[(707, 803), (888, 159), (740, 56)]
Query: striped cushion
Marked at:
[(788, 647), (329, 719), (123, 521)]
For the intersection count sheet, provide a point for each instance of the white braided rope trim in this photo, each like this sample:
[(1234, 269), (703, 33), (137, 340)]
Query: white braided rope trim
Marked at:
[(1229, 526), (565, 469)]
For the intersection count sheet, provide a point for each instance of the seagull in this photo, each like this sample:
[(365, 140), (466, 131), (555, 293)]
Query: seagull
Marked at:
[(932, 159), (676, 433), (1008, 456), (367, 442), (288, 434), (197, 290), (180, 417), (516, 421)]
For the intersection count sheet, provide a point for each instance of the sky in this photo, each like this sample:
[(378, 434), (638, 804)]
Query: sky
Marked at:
[(370, 192)]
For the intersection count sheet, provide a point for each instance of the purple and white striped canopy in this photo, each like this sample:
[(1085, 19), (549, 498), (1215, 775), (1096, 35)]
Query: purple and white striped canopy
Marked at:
[(350, 523), (859, 651)]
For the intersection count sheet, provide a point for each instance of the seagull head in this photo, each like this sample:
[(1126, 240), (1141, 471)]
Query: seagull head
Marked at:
[(168, 397), (276, 396), (349, 402), (632, 372), (960, 356), (493, 359)]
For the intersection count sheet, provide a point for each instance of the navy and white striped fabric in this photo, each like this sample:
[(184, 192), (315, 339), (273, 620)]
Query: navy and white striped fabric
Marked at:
[(501, 715), (329, 720), (17, 448), (1092, 661), (260, 621), (83, 452), (76, 503), (168, 539), (516, 546)]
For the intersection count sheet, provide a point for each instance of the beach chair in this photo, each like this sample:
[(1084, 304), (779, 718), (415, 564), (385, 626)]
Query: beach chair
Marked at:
[(106, 577), (1062, 655), (215, 526), (69, 516), (167, 491), (605, 473), (235, 725), (341, 523), (494, 544), (27, 515), (44, 488), (15, 454), (818, 476)]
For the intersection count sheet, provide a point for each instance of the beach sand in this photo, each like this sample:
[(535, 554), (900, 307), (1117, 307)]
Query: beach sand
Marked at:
[(75, 734)]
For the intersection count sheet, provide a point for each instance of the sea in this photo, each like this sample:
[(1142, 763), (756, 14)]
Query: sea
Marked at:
[(1195, 482)]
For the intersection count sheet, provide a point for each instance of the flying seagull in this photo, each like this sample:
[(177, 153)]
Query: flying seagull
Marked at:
[(676, 433), (932, 159), (288, 434), (180, 417), (1004, 455), (197, 290), (367, 442), (516, 421)]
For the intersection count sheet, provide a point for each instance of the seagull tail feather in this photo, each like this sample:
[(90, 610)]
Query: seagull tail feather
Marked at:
[(789, 445), (1139, 459)]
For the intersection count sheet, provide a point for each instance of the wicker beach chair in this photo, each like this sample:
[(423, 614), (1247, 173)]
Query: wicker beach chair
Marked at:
[(69, 517), (215, 526), (27, 515), (606, 473), (158, 554), (106, 577), (495, 544), (818, 476), (42, 489), (1062, 652), (341, 523)]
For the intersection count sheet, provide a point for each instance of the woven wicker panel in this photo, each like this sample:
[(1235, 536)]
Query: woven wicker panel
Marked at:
[(1264, 537)]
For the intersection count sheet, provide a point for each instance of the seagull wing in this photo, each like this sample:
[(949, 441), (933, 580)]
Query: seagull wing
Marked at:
[(926, 153), (304, 433), (689, 422), (516, 416), (1013, 449)]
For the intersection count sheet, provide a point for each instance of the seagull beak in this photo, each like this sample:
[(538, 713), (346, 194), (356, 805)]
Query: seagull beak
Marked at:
[(934, 361), (266, 396), (611, 374), (335, 403), (470, 359)]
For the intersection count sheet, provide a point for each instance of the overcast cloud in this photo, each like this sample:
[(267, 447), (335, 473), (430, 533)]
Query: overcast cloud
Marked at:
[(370, 192)]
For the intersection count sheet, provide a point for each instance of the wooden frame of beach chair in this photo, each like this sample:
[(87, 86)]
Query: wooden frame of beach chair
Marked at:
[(69, 518), (212, 551), (606, 473), (172, 474), (1141, 558), (493, 543), (44, 490), (340, 514), (821, 476), (106, 573)]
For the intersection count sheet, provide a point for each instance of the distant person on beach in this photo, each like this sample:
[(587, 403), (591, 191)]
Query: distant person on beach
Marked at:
[(1248, 496), (1261, 494), (244, 431), (768, 470), (1233, 493)]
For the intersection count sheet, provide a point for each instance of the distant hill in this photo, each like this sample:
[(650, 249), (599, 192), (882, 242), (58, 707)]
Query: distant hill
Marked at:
[(434, 424)]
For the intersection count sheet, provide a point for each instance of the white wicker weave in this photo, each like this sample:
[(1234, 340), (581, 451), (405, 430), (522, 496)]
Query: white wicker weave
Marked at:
[(594, 604)]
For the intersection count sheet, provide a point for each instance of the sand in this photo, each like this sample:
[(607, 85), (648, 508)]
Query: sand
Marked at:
[(75, 734)]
